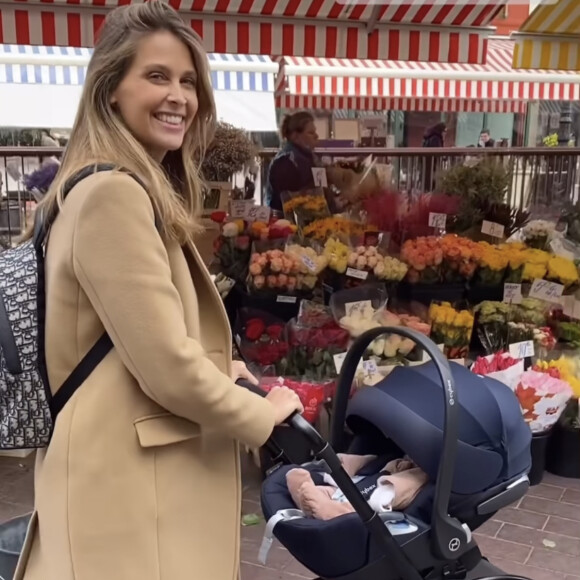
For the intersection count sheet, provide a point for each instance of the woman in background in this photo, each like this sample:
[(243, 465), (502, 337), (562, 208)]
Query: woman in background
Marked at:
[(291, 169)]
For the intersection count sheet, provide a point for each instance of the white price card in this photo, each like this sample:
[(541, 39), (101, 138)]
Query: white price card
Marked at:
[(258, 213), (370, 367), (239, 208), (522, 349), (351, 308), (286, 299), (319, 176), (548, 291), (354, 273), (309, 263), (438, 220), (512, 293), (339, 359), (492, 229)]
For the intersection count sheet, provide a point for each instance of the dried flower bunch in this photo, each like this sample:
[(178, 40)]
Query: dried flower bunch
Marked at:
[(228, 153)]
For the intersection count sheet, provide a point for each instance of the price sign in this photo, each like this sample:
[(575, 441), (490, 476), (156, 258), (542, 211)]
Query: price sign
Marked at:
[(512, 293), (239, 208), (522, 349), (309, 263), (286, 299), (319, 176), (548, 291), (351, 308), (492, 229), (354, 273), (339, 359), (370, 368), (258, 213), (437, 220)]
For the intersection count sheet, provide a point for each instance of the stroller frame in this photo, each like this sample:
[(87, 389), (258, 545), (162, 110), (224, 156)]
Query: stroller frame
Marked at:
[(447, 549)]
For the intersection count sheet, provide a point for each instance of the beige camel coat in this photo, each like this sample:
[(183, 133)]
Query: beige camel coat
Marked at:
[(142, 479)]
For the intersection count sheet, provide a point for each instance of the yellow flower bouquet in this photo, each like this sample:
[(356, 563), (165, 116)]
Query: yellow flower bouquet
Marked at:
[(322, 229), (536, 265), (451, 327), (562, 270), (306, 207), (492, 263), (516, 255)]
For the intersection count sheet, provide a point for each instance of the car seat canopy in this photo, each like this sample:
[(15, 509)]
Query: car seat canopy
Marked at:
[(407, 407)]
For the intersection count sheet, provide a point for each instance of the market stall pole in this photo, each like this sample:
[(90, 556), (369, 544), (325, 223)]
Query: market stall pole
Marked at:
[(402, 30)]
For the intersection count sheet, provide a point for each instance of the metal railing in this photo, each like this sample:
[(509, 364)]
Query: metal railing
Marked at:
[(542, 180)]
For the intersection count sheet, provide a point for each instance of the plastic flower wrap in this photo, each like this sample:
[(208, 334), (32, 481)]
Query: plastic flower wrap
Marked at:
[(451, 327), (310, 263), (501, 367), (492, 325), (314, 339), (337, 253), (305, 207), (562, 270), (542, 398), (272, 271), (536, 234), (492, 263), (262, 339)]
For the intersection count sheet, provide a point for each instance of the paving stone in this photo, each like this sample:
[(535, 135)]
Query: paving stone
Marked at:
[(531, 572), (495, 548), (563, 526), (490, 528), (547, 491), (554, 562), (571, 496), (522, 517), (540, 539), (551, 508)]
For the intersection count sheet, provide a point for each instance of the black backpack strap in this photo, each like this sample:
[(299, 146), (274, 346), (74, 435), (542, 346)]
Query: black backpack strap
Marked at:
[(103, 346)]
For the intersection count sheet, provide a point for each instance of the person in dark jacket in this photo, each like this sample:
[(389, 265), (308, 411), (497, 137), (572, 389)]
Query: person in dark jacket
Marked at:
[(291, 169), (485, 139), (433, 137)]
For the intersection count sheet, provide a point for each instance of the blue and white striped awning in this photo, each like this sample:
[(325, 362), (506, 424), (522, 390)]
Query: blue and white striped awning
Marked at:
[(244, 84)]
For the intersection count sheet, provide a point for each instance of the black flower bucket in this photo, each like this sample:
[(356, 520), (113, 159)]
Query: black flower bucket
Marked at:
[(12, 536), (539, 451)]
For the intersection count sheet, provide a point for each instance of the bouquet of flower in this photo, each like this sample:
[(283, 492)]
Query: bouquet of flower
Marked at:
[(311, 263), (537, 233), (424, 257), (336, 253), (492, 325), (530, 311), (322, 229), (306, 207), (492, 263), (535, 266), (312, 394), (562, 271), (542, 398), (273, 271), (276, 230), (262, 339), (516, 255), (451, 327), (499, 366), (314, 339), (460, 258), (232, 249)]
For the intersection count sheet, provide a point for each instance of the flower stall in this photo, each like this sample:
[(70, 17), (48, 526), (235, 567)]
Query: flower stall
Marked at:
[(491, 287)]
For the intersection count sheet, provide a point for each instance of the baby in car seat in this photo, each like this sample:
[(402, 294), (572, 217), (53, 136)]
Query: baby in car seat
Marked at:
[(397, 486)]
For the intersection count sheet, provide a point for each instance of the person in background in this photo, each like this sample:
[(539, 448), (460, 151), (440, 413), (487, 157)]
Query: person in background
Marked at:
[(485, 139), (141, 479), (291, 169), (435, 136)]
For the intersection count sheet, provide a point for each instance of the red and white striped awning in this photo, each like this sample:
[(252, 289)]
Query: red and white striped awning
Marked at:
[(315, 83), (432, 30)]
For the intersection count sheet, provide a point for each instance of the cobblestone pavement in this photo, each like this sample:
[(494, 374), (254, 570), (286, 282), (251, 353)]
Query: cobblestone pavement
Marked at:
[(539, 538)]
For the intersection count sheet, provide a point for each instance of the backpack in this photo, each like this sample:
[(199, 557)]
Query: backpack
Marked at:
[(28, 410)]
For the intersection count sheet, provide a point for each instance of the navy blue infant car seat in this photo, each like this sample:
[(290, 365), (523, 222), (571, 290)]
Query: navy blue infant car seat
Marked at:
[(405, 415)]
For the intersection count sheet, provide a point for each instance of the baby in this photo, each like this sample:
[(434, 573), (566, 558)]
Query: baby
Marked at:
[(324, 502)]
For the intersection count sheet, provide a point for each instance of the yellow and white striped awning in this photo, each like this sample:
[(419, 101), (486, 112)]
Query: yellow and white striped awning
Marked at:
[(550, 37)]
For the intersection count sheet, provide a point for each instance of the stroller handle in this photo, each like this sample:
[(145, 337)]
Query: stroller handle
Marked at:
[(447, 530)]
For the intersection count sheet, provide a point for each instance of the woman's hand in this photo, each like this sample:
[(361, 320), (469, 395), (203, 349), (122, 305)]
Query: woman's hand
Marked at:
[(240, 371), (285, 402)]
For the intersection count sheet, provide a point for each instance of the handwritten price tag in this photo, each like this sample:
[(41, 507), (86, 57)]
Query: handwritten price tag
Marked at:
[(286, 299), (359, 307), (309, 263), (492, 229), (437, 220), (548, 291), (512, 293), (258, 213), (354, 273), (339, 359), (522, 349), (319, 176), (239, 208)]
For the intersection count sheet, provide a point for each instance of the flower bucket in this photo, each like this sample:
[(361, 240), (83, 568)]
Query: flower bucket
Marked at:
[(538, 449), (12, 536), (563, 452)]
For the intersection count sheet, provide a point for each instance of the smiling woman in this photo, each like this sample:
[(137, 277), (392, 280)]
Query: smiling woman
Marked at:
[(140, 480)]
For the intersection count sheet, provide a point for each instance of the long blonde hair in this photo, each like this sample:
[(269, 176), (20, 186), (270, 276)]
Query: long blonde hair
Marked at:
[(99, 134)]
